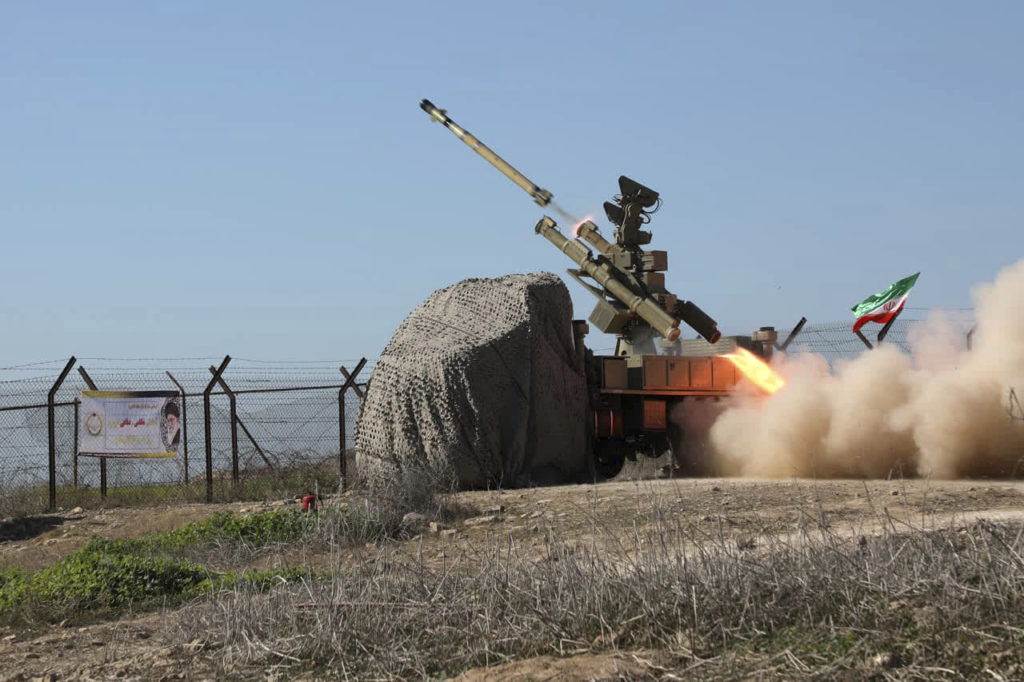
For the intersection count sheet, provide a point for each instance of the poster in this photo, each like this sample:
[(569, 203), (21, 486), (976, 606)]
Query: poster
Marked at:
[(129, 424)]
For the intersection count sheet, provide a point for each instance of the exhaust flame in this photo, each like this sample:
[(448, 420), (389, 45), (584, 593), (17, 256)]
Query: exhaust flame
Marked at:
[(578, 225), (756, 370)]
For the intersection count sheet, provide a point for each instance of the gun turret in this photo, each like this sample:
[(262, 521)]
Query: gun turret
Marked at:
[(632, 301)]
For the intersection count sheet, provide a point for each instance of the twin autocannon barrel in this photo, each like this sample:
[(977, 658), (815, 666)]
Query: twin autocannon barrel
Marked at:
[(617, 281), (621, 287)]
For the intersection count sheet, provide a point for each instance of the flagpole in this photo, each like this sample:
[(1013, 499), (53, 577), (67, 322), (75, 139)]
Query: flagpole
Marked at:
[(885, 329)]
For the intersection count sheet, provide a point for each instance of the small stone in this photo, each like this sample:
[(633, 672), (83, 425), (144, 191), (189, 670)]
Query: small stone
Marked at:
[(437, 527), (885, 660), (894, 493), (715, 489), (414, 519), (76, 510), (481, 520)]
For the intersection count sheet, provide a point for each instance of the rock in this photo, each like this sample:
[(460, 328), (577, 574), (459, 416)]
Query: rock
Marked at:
[(414, 520), (885, 660), (894, 493), (437, 527), (481, 520), (76, 510)]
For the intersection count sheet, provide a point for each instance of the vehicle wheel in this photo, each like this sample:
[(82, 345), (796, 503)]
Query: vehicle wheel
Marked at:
[(608, 460)]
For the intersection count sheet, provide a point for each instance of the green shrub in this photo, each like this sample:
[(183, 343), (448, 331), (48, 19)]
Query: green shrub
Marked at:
[(110, 576)]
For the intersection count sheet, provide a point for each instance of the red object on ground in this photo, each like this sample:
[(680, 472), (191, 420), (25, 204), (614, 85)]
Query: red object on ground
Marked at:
[(309, 503)]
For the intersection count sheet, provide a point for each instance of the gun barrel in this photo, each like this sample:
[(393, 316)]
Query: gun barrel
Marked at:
[(643, 306), (588, 231), (540, 195)]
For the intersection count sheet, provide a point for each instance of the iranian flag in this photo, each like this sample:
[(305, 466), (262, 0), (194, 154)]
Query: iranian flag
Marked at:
[(885, 305)]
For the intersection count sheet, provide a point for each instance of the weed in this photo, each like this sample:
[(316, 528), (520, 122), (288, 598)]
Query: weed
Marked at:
[(819, 603)]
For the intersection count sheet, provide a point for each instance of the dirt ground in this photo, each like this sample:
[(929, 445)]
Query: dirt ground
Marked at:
[(160, 646)]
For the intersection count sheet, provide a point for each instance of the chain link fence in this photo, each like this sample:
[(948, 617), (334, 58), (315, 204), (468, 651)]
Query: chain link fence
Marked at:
[(275, 428)]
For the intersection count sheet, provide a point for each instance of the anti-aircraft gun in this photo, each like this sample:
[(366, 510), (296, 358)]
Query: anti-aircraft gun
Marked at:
[(634, 392)]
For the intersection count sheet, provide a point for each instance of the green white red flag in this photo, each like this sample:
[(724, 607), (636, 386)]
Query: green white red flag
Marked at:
[(885, 305)]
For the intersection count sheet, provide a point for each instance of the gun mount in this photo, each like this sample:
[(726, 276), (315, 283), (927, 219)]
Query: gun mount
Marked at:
[(633, 394), (632, 301)]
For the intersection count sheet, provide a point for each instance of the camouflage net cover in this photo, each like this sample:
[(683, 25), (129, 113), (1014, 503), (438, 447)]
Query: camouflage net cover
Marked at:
[(480, 381)]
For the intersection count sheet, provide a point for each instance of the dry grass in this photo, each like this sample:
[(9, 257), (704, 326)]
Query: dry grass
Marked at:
[(907, 603)]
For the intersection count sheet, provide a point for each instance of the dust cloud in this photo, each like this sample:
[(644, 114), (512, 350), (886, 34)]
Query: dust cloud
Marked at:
[(940, 411)]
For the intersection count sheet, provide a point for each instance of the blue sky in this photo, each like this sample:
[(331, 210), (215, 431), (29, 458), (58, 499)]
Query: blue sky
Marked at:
[(187, 179)]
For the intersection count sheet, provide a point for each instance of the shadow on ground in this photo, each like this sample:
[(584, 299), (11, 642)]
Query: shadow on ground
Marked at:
[(27, 527)]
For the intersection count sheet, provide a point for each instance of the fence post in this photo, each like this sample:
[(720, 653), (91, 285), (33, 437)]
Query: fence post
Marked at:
[(184, 420), (238, 420), (103, 460), (51, 428), (77, 403), (234, 423), (350, 382), (792, 335), (209, 431)]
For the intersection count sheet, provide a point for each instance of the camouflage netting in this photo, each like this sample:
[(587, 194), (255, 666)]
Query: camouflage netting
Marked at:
[(481, 381)]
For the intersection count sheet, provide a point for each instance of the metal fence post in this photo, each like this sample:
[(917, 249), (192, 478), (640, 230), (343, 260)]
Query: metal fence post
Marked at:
[(209, 431), (235, 419), (103, 460), (184, 421), (51, 428), (75, 445), (350, 382)]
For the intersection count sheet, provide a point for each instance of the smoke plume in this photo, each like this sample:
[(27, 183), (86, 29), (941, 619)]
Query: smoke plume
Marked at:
[(939, 411)]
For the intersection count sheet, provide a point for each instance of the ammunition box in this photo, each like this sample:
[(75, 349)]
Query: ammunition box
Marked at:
[(667, 301), (608, 318), (655, 281), (654, 261)]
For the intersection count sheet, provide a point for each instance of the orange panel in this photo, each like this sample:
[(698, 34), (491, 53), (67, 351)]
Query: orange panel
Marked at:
[(724, 373), (678, 373), (655, 372), (654, 414), (700, 372)]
